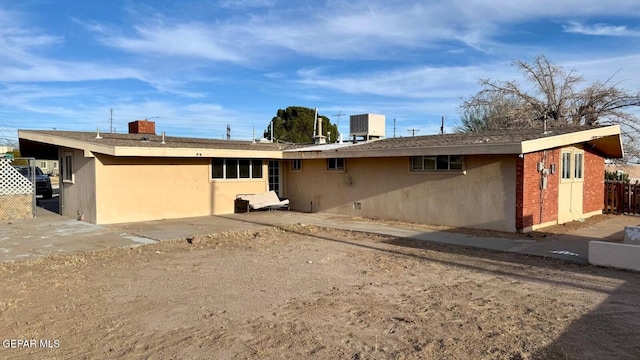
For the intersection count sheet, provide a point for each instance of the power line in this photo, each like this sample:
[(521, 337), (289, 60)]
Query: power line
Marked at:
[(413, 131)]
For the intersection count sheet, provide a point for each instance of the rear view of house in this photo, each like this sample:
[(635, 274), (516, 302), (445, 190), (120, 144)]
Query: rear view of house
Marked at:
[(515, 180)]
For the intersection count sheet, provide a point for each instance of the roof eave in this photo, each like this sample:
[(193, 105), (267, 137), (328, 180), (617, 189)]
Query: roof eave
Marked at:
[(90, 148), (471, 149), (604, 140)]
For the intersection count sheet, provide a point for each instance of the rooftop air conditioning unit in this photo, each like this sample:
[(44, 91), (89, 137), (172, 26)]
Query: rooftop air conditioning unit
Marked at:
[(367, 126)]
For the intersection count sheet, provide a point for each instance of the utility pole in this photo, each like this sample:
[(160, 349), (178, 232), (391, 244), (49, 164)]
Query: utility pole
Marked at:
[(394, 127), (111, 120), (413, 131), (228, 132), (442, 126)]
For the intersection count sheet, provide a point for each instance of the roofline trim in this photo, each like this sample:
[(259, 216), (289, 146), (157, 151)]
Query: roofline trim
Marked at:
[(89, 148)]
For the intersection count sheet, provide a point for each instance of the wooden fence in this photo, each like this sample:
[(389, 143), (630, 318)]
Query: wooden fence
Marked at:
[(621, 198)]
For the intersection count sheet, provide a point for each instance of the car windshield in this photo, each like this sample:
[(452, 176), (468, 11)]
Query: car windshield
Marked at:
[(26, 173)]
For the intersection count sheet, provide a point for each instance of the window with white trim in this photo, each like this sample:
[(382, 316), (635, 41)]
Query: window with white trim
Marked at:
[(67, 174), (43, 165), (236, 168), (579, 165), (335, 164), (437, 163), (566, 165)]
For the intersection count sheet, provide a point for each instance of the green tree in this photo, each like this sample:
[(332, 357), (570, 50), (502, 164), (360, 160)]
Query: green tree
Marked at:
[(613, 175), (295, 124), (549, 94)]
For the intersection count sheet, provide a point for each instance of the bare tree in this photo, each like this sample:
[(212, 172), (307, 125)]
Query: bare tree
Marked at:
[(553, 96)]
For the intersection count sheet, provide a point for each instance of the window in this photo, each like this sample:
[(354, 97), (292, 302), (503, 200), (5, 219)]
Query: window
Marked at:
[(217, 168), (68, 167), (440, 162), (236, 169), (566, 165), (231, 168), (335, 164), (578, 157), (244, 165), (55, 164), (296, 164), (256, 169), (43, 165)]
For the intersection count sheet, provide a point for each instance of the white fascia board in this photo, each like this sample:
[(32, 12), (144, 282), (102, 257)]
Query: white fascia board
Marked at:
[(474, 149), (195, 152), (569, 139), (87, 148)]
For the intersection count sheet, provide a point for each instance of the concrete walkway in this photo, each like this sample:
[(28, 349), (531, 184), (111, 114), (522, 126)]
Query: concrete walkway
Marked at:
[(50, 233), (572, 247)]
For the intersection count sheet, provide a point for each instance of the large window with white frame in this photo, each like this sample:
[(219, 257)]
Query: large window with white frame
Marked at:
[(437, 163), (222, 168)]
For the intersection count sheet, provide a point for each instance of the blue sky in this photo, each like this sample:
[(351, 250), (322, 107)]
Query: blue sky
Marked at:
[(195, 66)]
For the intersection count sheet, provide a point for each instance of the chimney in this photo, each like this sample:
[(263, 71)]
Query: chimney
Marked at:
[(319, 138), (142, 127)]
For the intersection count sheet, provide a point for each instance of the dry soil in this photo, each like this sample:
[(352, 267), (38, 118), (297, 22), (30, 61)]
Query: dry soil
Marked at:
[(309, 292)]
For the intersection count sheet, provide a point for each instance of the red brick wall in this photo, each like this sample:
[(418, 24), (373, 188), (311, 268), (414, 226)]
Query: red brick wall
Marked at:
[(142, 127), (593, 187), (530, 199)]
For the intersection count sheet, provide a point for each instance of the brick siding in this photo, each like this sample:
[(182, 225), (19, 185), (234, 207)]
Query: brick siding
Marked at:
[(528, 193), (531, 200), (593, 187)]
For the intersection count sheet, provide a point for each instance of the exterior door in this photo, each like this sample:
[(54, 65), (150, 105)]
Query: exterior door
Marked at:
[(274, 176), (570, 189)]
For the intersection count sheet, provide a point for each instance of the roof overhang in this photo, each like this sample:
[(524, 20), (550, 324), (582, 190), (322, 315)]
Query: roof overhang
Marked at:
[(605, 141), (45, 142), (354, 152)]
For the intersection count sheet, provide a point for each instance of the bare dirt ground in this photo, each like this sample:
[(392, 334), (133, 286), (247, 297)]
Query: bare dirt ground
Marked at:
[(309, 292), (547, 233)]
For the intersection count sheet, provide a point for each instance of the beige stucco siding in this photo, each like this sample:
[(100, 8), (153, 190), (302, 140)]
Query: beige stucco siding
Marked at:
[(140, 189), (483, 198), (78, 196)]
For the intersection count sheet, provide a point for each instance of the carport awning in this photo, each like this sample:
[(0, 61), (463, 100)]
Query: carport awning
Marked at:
[(38, 150)]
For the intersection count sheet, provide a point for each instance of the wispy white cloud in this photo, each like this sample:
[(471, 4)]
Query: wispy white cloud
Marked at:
[(600, 30), (181, 40), (419, 82)]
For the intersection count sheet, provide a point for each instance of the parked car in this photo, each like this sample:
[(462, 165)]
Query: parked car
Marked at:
[(43, 183)]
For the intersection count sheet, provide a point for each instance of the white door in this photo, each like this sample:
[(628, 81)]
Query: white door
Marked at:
[(570, 189)]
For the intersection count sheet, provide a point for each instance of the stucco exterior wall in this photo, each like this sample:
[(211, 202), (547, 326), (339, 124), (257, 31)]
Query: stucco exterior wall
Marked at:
[(78, 196), (384, 188), (141, 189)]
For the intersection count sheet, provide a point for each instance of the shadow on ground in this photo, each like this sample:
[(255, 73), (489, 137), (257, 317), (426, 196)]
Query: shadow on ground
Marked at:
[(608, 332)]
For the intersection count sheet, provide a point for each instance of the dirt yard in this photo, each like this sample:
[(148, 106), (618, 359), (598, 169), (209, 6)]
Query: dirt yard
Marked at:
[(308, 292)]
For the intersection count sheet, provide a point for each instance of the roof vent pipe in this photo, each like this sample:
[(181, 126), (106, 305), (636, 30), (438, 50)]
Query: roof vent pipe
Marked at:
[(98, 133), (163, 138)]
